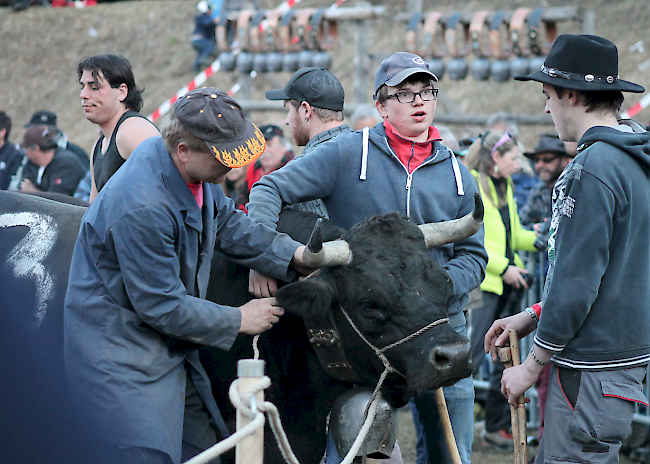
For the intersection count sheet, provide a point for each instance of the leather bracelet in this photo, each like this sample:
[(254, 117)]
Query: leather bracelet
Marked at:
[(270, 35), (478, 35), (517, 36), (496, 48), (286, 32), (451, 39), (532, 314), (256, 44), (242, 28), (535, 358), (413, 33), (323, 32)]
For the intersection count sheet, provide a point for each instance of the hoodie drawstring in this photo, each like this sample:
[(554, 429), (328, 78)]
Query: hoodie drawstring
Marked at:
[(364, 154), (459, 179)]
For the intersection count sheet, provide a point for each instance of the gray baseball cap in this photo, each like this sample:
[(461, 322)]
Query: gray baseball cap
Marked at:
[(397, 67)]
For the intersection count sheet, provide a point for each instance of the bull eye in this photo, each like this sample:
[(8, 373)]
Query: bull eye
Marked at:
[(369, 310)]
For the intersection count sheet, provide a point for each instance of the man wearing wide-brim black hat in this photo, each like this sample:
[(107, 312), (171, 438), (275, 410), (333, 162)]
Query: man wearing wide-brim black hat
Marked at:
[(594, 320), (549, 158)]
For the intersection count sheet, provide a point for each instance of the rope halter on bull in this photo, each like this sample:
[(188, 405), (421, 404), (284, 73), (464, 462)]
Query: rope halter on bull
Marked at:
[(388, 368)]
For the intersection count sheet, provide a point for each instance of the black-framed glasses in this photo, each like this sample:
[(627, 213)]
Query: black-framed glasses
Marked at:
[(406, 96)]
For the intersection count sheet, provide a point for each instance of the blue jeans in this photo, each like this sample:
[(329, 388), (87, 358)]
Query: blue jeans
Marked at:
[(460, 403), (204, 48)]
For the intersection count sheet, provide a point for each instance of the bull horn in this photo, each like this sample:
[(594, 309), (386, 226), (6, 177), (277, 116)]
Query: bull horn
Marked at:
[(441, 233), (319, 254)]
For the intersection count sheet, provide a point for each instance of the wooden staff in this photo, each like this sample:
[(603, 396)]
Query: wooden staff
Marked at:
[(446, 426), (509, 356)]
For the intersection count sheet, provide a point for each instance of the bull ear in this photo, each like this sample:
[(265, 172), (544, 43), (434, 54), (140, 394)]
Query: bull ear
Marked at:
[(308, 297)]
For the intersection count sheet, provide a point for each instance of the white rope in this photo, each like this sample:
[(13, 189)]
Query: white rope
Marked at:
[(364, 431)]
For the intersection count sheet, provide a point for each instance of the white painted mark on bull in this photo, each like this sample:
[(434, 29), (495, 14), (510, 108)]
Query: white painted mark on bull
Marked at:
[(27, 257)]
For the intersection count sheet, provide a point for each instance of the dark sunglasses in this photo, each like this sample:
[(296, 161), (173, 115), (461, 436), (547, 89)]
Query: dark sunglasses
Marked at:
[(545, 159)]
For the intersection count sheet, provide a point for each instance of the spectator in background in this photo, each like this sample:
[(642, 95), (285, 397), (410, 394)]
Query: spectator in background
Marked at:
[(49, 119), (10, 157), (234, 186), (365, 115), (203, 37), (549, 158), (525, 178), (50, 168), (111, 99), (492, 159), (274, 157)]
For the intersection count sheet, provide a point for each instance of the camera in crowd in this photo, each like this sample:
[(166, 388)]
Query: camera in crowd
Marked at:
[(541, 242)]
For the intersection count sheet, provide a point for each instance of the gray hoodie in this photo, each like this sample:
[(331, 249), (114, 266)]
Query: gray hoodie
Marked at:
[(596, 305), (356, 184)]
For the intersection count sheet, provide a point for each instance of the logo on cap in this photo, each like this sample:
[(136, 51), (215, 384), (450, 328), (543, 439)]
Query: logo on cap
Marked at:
[(419, 61)]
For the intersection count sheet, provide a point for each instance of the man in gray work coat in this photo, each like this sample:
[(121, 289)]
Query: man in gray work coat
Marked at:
[(134, 309)]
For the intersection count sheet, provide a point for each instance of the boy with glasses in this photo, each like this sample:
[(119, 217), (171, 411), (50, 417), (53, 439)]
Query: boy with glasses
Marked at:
[(400, 166)]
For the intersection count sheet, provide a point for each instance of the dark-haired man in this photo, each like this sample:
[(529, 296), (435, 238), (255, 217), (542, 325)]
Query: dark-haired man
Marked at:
[(49, 119), (593, 321), (111, 99), (135, 312), (397, 166), (49, 168)]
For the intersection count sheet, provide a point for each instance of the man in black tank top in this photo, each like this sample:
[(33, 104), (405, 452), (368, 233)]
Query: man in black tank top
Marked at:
[(111, 99)]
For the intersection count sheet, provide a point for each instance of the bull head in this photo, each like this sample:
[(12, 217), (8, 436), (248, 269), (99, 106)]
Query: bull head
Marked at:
[(337, 253)]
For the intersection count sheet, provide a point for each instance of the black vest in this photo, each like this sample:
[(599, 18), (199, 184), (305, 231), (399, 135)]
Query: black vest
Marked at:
[(107, 163)]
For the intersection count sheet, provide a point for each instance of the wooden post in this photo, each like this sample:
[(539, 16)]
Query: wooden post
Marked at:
[(446, 426), (251, 449), (509, 356)]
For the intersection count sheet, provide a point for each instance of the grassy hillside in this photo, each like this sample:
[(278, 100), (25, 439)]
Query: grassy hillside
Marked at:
[(42, 46)]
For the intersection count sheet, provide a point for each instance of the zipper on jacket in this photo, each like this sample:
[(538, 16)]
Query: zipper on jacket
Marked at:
[(409, 175)]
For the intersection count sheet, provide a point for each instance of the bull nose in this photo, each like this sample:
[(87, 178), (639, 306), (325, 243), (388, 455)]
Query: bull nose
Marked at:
[(449, 356)]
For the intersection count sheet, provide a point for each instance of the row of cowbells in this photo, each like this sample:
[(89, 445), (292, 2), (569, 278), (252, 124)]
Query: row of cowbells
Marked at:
[(246, 62), (483, 69)]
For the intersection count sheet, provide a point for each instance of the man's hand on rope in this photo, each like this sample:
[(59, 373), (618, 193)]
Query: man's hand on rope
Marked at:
[(259, 315)]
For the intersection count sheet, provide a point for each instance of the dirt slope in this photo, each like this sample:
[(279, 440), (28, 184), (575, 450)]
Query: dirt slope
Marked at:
[(40, 48)]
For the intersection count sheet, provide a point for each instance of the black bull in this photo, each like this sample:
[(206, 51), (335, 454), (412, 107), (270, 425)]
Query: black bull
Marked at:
[(390, 289)]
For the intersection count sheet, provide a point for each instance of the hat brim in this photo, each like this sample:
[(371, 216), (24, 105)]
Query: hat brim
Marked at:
[(277, 94), (402, 75), (243, 151), (620, 85)]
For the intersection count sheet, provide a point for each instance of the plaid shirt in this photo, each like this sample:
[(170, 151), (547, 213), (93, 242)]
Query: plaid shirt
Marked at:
[(538, 206)]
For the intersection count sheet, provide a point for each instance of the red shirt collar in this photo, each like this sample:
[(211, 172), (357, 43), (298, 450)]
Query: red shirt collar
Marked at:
[(410, 153)]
